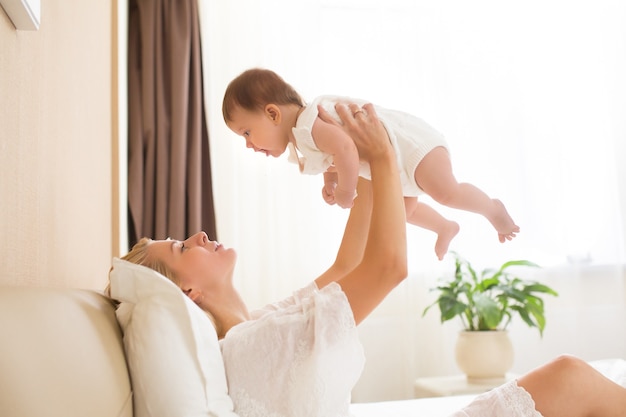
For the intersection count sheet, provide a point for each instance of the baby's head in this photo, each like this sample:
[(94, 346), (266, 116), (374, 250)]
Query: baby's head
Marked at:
[(255, 88)]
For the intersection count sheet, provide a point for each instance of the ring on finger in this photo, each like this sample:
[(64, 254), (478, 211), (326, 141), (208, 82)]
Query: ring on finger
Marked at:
[(357, 112)]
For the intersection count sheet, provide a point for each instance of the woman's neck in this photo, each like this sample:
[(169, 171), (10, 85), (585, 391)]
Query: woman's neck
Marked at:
[(228, 310)]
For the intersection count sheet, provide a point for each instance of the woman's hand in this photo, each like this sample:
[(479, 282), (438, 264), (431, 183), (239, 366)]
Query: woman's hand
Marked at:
[(382, 264), (363, 126)]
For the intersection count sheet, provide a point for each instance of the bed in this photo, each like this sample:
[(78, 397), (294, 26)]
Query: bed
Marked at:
[(153, 310), (73, 360), (427, 407), (614, 369)]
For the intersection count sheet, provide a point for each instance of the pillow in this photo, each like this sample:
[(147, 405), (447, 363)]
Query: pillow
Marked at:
[(172, 349)]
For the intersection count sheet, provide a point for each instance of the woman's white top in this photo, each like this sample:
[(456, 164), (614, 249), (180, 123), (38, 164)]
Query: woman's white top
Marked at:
[(300, 357)]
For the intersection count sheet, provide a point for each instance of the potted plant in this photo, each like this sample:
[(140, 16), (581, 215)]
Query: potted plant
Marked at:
[(486, 302)]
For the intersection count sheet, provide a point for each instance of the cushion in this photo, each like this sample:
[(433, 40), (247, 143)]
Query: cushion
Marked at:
[(171, 345)]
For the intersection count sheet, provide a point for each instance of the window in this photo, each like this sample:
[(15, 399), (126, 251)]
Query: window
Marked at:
[(530, 96)]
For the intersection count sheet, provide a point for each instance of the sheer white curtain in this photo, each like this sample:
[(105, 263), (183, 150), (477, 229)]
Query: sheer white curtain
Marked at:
[(530, 95)]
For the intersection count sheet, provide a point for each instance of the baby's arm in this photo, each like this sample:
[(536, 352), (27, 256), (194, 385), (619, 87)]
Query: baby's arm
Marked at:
[(334, 141)]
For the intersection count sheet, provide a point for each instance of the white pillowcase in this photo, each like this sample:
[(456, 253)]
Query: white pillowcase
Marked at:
[(172, 349)]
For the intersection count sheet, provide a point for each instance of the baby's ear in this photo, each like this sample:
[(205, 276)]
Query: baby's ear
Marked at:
[(273, 112)]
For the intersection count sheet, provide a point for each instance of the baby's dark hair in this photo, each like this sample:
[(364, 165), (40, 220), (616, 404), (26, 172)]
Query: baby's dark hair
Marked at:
[(254, 89)]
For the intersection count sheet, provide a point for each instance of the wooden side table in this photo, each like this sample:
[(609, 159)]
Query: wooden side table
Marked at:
[(443, 386)]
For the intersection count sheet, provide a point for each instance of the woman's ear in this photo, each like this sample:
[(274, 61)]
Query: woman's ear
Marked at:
[(194, 294), (272, 111)]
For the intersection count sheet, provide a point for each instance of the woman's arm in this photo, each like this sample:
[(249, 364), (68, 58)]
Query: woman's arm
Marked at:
[(352, 245), (383, 264)]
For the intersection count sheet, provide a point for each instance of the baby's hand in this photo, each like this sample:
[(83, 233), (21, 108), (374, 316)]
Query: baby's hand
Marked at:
[(333, 195), (328, 193), (330, 183)]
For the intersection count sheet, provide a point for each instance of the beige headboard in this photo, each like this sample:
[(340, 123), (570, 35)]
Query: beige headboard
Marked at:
[(61, 354)]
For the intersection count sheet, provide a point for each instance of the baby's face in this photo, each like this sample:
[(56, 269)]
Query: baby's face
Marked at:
[(261, 129)]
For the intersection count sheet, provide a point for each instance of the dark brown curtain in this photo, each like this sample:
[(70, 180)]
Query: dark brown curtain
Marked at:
[(169, 171)]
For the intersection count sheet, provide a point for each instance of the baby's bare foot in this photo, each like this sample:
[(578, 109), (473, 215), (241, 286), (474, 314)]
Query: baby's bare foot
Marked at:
[(502, 222), (444, 237)]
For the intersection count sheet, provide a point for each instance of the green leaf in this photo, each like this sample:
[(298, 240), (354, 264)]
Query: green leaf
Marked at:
[(453, 311), (488, 283), (509, 264), (489, 314), (535, 287), (524, 315)]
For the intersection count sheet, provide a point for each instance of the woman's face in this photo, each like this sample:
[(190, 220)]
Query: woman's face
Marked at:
[(197, 262)]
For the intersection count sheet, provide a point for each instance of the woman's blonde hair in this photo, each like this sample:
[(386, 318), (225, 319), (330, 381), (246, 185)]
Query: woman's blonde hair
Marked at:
[(139, 255)]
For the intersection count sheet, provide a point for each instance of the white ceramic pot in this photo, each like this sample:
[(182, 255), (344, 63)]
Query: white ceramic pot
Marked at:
[(484, 355)]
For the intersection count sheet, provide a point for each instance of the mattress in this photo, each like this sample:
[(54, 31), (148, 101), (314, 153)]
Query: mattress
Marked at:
[(427, 407), (614, 369)]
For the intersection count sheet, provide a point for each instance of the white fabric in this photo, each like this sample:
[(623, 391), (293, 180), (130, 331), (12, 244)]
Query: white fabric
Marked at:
[(422, 407), (297, 358), (171, 347), (508, 400), (614, 369), (411, 137)]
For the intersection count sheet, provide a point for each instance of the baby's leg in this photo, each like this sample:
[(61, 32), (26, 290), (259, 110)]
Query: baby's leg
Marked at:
[(424, 216), (434, 176), (570, 387)]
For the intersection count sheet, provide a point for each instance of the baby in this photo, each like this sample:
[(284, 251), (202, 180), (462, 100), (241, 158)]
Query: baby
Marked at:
[(271, 116)]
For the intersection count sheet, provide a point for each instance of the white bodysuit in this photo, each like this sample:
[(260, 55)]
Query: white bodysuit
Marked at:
[(302, 357), (412, 139)]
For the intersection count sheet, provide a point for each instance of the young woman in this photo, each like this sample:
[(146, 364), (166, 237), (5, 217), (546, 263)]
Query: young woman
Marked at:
[(301, 356)]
